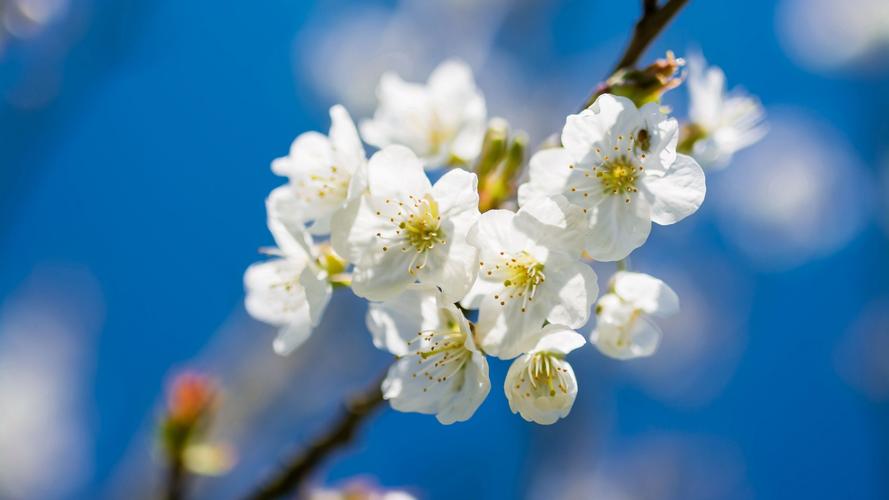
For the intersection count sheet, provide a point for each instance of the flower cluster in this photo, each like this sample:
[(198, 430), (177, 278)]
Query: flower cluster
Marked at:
[(449, 286)]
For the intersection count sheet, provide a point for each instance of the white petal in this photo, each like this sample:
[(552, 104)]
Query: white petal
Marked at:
[(663, 135), (577, 290), (395, 172), (274, 294), (638, 339), (494, 233), (344, 137), (402, 117), (553, 222), (453, 269), (457, 192), (678, 193), (318, 291), (309, 151), (617, 227), (473, 390), (646, 292), (504, 330), (292, 335), (286, 223), (608, 116), (397, 321), (558, 339), (548, 174), (480, 288), (382, 275)]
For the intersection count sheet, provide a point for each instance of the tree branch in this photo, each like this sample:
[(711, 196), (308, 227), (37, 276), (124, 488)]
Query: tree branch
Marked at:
[(175, 489), (299, 466), (654, 19)]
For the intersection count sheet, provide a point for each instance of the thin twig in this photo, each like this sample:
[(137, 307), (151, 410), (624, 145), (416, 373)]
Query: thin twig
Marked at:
[(176, 479), (654, 19), (339, 434)]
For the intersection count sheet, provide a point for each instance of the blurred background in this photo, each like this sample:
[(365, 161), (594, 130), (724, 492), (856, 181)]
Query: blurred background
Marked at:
[(135, 142)]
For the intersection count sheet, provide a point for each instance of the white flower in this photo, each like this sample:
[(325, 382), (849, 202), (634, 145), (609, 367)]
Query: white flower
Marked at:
[(623, 328), (290, 291), (443, 122), (619, 164), (324, 172), (440, 371), (404, 229), (529, 271), (541, 385), (722, 123)]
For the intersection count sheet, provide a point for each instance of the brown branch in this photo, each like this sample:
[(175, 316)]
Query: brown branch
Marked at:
[(654, 19), (298, 467), (176, 478)]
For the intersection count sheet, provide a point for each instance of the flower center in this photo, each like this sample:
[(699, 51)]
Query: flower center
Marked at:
[(330, 185), (441, 354), (543, 377), (523, 274), (618, 176), (422, 224), (417, 227)]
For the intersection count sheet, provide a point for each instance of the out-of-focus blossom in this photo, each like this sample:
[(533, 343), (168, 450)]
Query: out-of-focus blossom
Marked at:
[(45, 332), (359, 490), (440, 371), (404, 229), (540, 384), (530, 272), (443, 122), (826, 34), (623, 327), (325, 172), (799, 194), (27, 18), (619, 164), (650, 467), (720, 124), (862, 353), (192, 402)]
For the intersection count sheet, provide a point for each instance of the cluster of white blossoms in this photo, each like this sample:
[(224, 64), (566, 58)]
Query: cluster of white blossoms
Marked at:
[(449, 287)]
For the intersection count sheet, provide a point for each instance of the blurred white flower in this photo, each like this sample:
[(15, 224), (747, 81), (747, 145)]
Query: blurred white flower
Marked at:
[(404, 229), (292, 290), (799, 194), (540, 384), (530, 272), (825, 34), (440, 371), (721, 123), (623, 327), (45, 330), (442, 122), (325, 172), (619, 164)]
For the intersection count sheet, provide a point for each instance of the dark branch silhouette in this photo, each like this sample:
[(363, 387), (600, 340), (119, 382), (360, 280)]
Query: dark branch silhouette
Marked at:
[(340, 433), (654, 19)]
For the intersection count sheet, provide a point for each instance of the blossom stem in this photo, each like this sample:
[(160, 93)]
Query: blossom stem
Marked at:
[(340, 433), (176, 478), (654, 19)]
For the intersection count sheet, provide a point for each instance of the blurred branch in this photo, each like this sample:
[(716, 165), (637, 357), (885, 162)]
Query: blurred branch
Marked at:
[(654, 19), (176, 479), (340, 433)]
